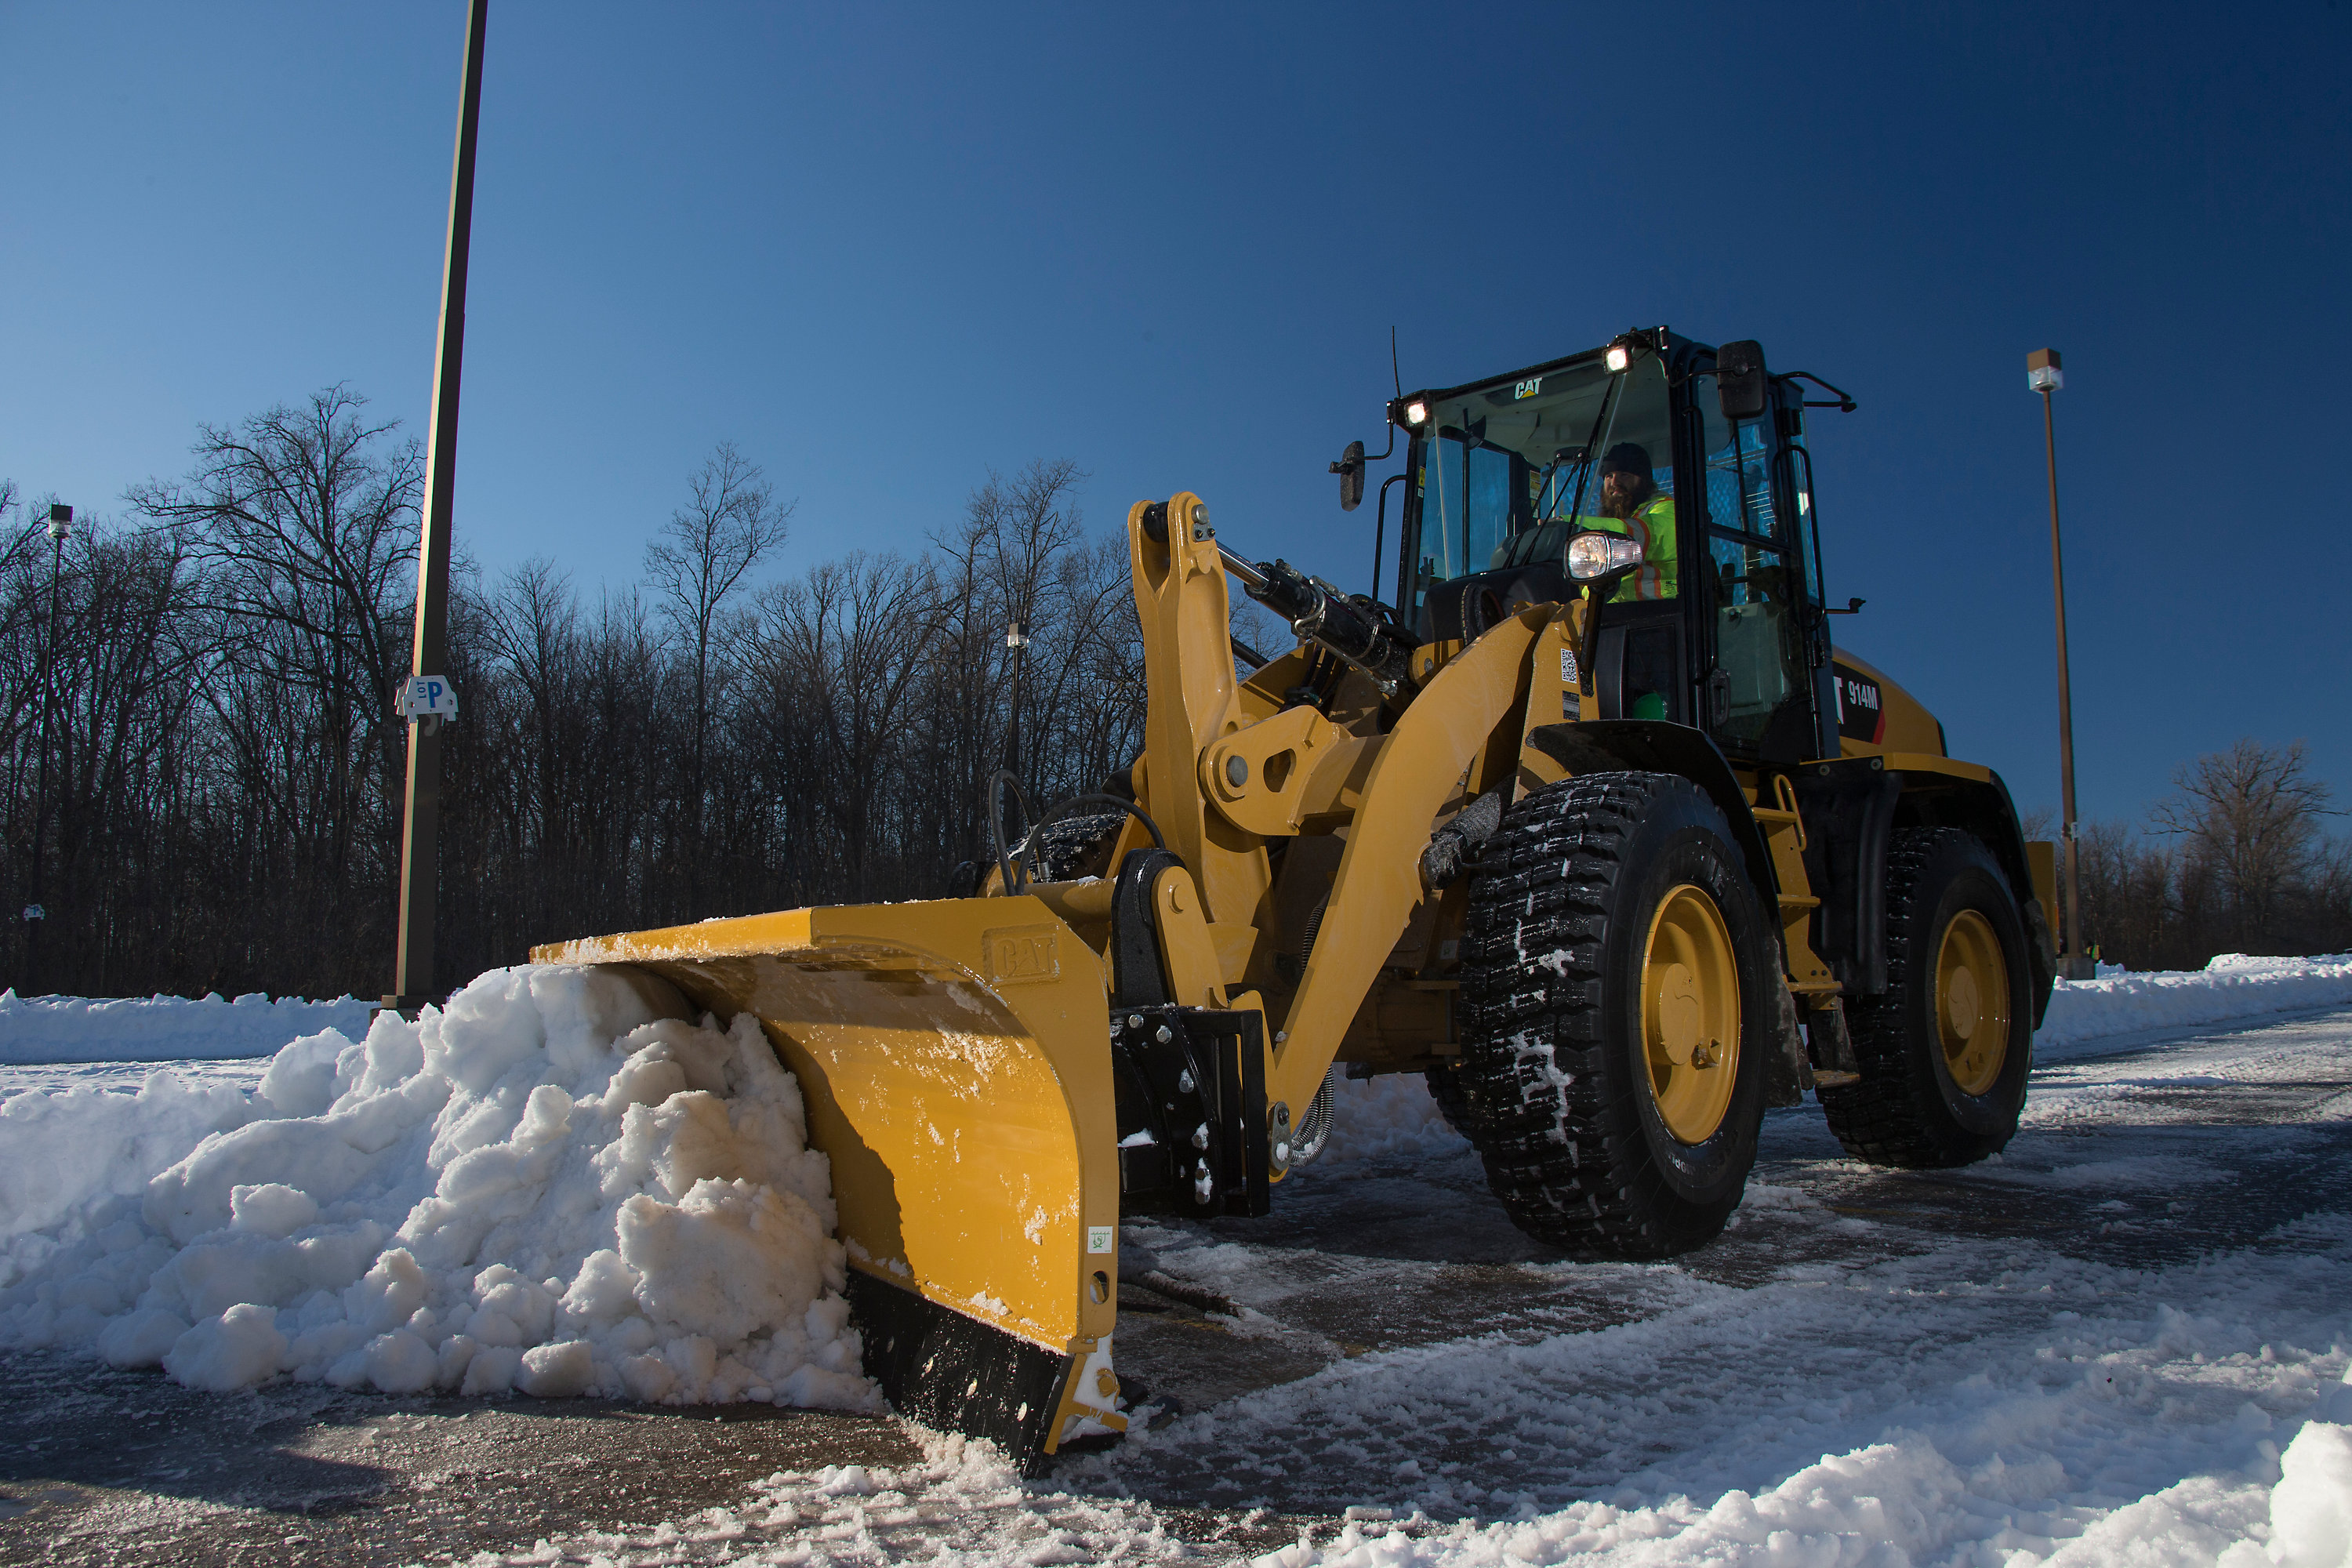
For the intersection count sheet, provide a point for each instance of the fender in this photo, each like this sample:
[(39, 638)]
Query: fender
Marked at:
[(1939, 792), (1848, 808), (1853, 805), (1656, 746)]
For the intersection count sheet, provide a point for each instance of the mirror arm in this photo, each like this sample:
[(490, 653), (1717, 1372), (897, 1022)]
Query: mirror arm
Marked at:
[(1841, 402), (1380, 528)]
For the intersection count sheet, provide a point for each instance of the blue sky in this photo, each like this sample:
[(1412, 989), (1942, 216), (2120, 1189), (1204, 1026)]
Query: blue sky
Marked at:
[(885, 248)]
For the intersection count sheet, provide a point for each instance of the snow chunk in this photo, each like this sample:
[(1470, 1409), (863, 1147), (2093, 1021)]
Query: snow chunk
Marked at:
[(236, 1350), (2310, 1507)]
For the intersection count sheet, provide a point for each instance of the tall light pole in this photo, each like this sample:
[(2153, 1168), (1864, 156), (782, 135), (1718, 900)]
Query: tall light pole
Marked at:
[(36, 914), (2043, 376), (1016, 637), (420, 839)]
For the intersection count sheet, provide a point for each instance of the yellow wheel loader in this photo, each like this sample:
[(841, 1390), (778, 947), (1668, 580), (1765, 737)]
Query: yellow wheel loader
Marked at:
[(1593, 826)]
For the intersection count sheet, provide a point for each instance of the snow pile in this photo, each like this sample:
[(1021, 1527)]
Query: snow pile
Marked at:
[(63, 1152), (1389, 1117), (162, 1028), (2311, 1507), (2232, 986), (549, 1186)]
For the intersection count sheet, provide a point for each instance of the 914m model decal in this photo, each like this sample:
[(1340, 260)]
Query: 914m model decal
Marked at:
[(1862, 715)]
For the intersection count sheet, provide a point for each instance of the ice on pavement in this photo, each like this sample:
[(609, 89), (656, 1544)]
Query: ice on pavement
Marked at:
[(162, 1028), (1984, 1401), (1883, 1398), (1393, 1115), (2060, 1413), (544, 1187)]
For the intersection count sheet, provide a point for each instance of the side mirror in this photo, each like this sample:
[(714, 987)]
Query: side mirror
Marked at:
[(1350, 469), (1741, 387)]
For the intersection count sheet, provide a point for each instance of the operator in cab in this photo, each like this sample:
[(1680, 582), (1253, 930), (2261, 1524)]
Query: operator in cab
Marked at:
[(1630, 500)]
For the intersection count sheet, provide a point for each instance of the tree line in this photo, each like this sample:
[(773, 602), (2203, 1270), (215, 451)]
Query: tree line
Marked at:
[(201, 748), (201, 774), (2237, 859)]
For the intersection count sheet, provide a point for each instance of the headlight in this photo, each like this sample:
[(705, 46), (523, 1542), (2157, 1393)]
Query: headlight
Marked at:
[(1597, 554), (1416, 413), (1618, 357)]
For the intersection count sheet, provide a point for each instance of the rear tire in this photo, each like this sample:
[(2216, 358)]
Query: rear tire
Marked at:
[(1615, 964), (1946, 1052)]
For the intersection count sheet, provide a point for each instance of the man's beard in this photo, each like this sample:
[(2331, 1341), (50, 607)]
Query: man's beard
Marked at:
[(1618, 503)]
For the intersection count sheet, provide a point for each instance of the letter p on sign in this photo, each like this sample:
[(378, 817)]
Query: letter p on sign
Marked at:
[(428, 696)]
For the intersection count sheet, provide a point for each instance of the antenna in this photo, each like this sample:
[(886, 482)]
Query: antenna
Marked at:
[(1395, 372)]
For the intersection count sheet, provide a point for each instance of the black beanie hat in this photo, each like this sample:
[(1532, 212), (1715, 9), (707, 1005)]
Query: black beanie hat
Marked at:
[(1627, 458)]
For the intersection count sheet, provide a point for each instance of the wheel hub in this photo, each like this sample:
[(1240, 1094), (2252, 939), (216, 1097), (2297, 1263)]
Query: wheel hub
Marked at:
[(1690, 1013), (1972, 1002)]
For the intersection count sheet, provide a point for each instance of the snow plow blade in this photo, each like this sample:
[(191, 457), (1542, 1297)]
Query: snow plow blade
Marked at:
[(951, 1056)]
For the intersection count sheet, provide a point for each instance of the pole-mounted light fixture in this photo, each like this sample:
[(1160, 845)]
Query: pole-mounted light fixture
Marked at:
[(2044, 374), (1016, 634), (60, 523)]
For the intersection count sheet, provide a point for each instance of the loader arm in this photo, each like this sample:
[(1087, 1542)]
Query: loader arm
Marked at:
[(1444, 742), (1196, 729)]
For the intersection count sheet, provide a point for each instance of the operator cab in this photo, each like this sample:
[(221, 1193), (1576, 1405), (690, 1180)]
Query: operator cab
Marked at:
[(1723, 626)]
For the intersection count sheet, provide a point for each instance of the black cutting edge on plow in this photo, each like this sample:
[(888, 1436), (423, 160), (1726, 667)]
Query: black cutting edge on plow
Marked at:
[(957, 1373)]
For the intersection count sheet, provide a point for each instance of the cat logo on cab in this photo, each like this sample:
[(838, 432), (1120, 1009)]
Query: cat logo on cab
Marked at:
[(1526, 389)]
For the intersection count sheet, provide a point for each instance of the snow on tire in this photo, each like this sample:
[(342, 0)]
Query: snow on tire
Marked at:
[(1612, 1090)]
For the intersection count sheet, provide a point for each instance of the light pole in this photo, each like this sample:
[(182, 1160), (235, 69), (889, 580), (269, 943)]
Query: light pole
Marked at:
[(1016, 637), (36, 914), (412, 983), (2043, 376)]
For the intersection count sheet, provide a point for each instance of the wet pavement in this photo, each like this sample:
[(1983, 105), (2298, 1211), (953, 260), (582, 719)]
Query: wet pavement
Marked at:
[(2153, 1152)]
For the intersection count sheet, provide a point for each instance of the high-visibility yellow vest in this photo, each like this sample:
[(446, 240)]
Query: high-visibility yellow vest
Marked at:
[(1653, 523)]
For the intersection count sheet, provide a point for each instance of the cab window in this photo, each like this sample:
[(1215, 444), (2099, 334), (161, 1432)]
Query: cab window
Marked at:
[(1506, 473), (1763, 700)]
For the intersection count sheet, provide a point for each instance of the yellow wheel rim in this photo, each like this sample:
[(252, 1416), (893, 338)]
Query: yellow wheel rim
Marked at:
[(1972, 1002), (1690, 1014)]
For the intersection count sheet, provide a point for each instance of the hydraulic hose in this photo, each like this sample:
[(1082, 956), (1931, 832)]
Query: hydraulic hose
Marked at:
[(1014, 873)]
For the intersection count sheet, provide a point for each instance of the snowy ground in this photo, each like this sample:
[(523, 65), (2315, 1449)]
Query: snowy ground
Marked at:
[(2098, 1348), (162, 1028)]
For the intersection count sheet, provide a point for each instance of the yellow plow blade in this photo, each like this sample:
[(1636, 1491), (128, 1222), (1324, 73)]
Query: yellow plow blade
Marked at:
[(953, 1057)]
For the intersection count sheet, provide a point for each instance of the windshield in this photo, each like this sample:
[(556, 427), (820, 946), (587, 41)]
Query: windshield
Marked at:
[(1511, 469)]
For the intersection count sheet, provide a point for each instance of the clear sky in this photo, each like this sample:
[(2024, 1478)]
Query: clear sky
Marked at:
[(885, 247)]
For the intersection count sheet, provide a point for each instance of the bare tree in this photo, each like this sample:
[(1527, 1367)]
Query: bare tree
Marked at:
[(732, 521), (303, 521), (2251, 814)]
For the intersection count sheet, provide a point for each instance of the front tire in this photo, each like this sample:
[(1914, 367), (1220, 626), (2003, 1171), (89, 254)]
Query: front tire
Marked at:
[(1615, 966), (1945, 1053)]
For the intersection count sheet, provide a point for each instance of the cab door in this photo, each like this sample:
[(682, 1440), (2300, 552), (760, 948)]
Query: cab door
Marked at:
[(1758, 612)]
